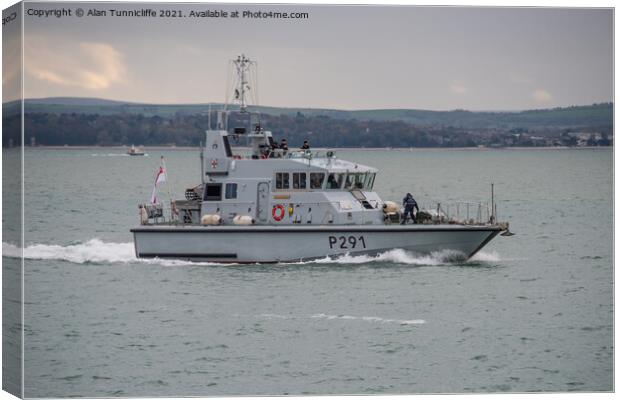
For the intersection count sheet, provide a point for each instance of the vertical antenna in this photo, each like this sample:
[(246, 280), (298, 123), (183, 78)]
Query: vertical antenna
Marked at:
[(242, 65), (209, 119), (492, 205), (202, 162)]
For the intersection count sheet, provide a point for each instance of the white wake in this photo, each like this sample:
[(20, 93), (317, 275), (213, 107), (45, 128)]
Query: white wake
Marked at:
[(114, 155), (348, 317), (371, 319), (400, 256), (100, 252), (93, 251)]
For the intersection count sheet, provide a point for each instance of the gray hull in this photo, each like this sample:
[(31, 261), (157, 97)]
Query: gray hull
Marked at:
[(250, 244)]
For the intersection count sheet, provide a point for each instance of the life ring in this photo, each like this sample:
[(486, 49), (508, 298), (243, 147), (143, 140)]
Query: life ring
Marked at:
[(278, 212)]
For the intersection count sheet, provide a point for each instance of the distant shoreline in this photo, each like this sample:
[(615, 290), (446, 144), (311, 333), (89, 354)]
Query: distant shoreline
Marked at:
[(190, 148)]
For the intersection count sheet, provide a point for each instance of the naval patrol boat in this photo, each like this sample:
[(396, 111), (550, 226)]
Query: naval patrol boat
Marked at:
[(263, 204)]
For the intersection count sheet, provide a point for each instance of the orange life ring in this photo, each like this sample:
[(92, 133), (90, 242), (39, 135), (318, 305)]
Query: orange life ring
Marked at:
[(278, 212)]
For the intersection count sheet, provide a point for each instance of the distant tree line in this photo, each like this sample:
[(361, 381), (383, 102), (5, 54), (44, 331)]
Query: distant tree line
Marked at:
[(75, 129)]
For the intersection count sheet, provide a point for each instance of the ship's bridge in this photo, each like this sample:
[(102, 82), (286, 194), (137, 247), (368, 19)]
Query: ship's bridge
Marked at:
[(329, 162), (288, 187), (342, 174), (302, 170)]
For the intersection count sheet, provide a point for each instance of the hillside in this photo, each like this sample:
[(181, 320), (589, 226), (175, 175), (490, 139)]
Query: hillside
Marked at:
[(577, 116), (75, 121)]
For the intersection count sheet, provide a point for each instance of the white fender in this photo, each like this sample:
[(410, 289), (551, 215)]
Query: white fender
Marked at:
[(243, 220), (391, 207), (211, 219)]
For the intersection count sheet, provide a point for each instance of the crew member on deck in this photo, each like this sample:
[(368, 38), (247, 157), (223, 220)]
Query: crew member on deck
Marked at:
[(305, 146), (283, 147), (274, 147), (409, 203)]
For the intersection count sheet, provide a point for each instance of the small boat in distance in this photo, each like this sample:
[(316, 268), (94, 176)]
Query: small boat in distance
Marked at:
[(133, 151)]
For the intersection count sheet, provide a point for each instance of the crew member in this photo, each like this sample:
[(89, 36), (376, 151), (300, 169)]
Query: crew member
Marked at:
[(305, 146), (274, 147), (409, 203), (284, 145)]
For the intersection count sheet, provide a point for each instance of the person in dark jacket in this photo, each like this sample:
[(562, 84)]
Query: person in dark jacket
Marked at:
[(409, 203)]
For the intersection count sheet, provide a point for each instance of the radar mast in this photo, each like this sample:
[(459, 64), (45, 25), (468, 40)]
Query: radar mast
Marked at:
[(244, 92), (241, 88)]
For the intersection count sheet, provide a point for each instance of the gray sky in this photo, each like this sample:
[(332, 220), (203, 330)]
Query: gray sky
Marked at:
[(345, 57)]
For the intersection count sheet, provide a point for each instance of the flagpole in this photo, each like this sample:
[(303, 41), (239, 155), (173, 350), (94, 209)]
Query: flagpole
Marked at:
[(163, 164)]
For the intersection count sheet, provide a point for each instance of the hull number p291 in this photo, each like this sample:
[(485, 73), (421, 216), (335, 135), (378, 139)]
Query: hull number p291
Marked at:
[(347, 242)]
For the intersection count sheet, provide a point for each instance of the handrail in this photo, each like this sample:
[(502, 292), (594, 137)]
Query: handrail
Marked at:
[(457, 212), (465, 212)]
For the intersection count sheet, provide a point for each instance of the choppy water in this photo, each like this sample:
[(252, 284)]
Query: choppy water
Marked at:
[(533, 312)]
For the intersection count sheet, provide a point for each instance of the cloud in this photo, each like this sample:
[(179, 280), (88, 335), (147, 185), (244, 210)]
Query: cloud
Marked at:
[(541, 96), (88, 65), (49, 76), (458, 88)]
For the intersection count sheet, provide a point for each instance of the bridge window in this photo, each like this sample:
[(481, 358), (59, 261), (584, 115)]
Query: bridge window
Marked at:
[(231, 190), (299, 180), (213, 192), (356, 181), (370, 181), (316, 180), (348, 183), (334, 181), (359, 181), (282, 180)]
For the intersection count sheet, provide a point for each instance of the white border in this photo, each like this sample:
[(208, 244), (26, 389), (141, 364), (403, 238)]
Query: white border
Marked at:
[(462, 3)]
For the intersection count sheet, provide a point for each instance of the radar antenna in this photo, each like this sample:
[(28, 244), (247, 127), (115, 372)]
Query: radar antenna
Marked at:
[(242, 66)]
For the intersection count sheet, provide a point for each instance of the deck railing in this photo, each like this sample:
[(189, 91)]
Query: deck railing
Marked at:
[(461, 212)]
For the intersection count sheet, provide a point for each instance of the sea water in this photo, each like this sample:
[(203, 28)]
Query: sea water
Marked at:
[(531, 312)]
